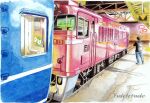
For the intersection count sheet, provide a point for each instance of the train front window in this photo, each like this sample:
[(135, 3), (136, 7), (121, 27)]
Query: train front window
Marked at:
[(33, 34), (65, 22)]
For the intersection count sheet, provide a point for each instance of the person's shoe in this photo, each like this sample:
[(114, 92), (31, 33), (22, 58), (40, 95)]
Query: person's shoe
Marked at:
[(142, 62), (137, 63)]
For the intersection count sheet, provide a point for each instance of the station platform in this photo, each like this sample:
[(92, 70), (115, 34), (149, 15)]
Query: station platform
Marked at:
[(123, 81)]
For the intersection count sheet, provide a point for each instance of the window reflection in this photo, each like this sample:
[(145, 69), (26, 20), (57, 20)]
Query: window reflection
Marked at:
[(33, 34)]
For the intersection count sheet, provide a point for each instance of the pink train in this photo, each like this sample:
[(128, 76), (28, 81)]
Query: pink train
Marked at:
[(84, 44)]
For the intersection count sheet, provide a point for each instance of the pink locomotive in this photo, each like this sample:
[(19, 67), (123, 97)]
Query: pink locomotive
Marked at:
[(84, 44)]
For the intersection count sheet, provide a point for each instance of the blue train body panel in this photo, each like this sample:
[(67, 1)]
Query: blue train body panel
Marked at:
[(31, 88), (26, 49)]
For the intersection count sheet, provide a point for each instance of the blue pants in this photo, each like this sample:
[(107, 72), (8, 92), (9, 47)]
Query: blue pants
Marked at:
[(139, 56)]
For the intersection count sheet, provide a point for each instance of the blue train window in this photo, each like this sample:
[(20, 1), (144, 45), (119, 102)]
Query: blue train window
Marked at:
[(33, 34)]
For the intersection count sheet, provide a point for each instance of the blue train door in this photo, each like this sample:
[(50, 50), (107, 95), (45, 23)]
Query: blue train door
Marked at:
[(26, 50)]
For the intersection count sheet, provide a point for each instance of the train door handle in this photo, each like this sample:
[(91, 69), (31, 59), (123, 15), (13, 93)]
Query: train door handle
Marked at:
[(4, 76), (86, 48), (4, 53), (4, 30), (115, 43)]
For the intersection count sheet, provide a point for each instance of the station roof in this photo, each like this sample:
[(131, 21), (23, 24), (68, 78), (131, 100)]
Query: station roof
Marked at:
[(121, 11), (127, 11)]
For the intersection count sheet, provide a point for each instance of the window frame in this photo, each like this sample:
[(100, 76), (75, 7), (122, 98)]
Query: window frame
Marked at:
[(55, 20), (100, 39), (83, 36), (22, 49), (103, 34)]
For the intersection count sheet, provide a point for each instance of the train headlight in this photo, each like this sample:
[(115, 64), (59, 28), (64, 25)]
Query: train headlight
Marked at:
[(53, 80), (59, 80), (59, 60)]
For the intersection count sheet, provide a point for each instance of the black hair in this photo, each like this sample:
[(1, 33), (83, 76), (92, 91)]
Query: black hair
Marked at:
[(138, 38)]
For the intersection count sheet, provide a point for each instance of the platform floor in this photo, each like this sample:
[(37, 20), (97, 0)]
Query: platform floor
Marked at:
[(123, 81)]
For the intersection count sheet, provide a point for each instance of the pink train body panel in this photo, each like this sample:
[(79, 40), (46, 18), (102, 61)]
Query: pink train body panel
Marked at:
[(74, 53)]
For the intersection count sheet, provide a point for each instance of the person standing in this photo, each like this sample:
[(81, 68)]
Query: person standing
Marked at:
[(139, 51)]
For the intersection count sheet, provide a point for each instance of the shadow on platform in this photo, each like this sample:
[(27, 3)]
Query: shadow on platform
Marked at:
[(128, 70), (126, 60)]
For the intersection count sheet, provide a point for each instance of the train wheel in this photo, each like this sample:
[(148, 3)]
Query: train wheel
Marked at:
[(119, 55), (124, 52), (79, 82), (82, 78), (103, 64), (98, 69), (90, 73), (116, 56), (110, 60)]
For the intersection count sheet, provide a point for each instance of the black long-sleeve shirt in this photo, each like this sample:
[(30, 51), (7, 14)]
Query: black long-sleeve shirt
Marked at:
[(138, 45)]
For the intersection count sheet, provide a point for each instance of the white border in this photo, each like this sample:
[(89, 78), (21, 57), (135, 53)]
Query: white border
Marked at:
[(73, 41), (17, 76), (43, 101)]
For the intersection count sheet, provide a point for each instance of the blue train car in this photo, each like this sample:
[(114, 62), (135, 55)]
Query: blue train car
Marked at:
[(26, 49)]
